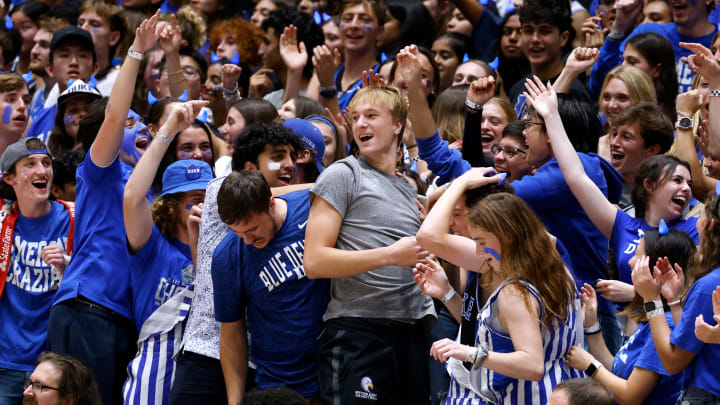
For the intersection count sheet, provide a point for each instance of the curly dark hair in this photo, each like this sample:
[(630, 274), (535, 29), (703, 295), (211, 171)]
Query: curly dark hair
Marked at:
[(307, 31), (166, 215), (248, 37), (251, 143)]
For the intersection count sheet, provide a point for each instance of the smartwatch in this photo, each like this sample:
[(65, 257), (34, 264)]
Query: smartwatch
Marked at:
[(328, 92), (653, 309), (684, 123), (593, 368)]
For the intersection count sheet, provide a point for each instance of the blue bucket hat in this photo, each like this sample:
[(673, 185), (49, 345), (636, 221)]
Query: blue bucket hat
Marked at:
[(186, 175), (311, 136)]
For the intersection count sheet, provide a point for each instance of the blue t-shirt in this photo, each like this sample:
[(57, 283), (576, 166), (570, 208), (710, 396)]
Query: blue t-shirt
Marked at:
[(43, 123), (611, 54), (283, 307), (627, 232), (30, 288), (159, 270), (703, 371), (639, 351), (346, 96), (99, 269), (549, 195)]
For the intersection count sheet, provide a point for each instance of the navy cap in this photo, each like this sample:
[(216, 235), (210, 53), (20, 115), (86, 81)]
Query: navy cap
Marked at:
[(72, 32), (311, 136), (186, 175)]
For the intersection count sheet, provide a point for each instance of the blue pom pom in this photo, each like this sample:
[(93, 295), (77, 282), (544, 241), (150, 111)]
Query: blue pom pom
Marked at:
[(214, 58), (151, 99), (235, 59), (183, 97)]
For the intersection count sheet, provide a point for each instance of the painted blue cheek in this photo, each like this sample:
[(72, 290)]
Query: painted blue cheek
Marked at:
[(6, 114), (492, 252), (367, 27), (188, 207), (185, 155), (69, 119)]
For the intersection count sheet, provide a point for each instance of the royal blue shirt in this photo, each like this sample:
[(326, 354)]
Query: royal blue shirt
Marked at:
[(627, 232), (99, 269), (550, 197), (639, 351), (43, 123), (703, 371), (30, 288), (159, 270), (347, 95), (283, 307), (612, 50)]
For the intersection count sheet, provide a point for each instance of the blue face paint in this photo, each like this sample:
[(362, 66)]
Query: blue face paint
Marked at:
[(492, 253), (343, 26), (367, 27), (69, 119), (6, 114), (207, 153), (185, 155), (188, 207)]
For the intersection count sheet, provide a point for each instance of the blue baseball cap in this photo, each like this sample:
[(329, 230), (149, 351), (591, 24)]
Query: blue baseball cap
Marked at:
[(311, 136), (186, 175)]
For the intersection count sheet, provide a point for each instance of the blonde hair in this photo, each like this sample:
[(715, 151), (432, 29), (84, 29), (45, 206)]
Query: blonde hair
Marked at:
[(386, 94), (638, 83)]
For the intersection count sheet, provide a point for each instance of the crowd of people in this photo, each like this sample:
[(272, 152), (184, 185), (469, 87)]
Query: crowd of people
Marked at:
[(360, 201)]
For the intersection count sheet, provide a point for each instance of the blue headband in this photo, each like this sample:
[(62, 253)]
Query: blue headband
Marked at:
[(332, 126)]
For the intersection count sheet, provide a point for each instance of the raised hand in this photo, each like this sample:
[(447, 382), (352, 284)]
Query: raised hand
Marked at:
[(170, 36), (146, 35), (589, 305), (478, 177), (705, 332), (542, 97), (673, 280), (293, 53), (582, 59), (593, 36), (431, 278), (443, 349), (689, 102), (230, 75), (326, 63), (646, 284), (260, 83), (703, 62), (370, 78), (193, 222), (181, 116), (409, 66), (627, 12), (481, 90)]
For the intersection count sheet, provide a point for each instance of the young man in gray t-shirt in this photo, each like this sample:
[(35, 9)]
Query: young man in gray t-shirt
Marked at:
[(361, 234)]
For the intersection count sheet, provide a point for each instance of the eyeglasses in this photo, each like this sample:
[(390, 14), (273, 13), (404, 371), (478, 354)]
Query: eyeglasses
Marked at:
[(190, 72), (508, 150), (528, 122), (37, 387)]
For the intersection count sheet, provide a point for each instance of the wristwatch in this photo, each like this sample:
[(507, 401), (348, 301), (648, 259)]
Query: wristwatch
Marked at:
[(328, 92), (684, 123), (593, 368), (653, 309)]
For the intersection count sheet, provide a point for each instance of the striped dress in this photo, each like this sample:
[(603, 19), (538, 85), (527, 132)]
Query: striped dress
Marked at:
[(152, 371), (486, 386)]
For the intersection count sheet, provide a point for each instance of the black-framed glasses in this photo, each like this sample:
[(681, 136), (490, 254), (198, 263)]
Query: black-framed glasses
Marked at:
[(190, 72), (528, 122), (37, 387), (508, 150)]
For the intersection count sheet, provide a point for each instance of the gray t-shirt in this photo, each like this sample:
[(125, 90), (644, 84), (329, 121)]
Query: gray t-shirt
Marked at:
[(377, 210)]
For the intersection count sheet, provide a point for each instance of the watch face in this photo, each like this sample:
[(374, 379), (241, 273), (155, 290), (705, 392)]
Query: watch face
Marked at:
[(649, 306), (684, 123)]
